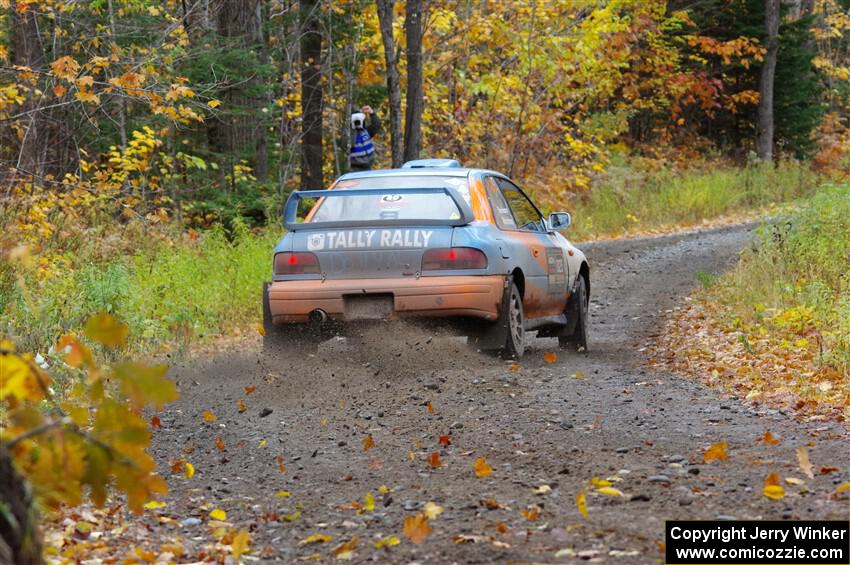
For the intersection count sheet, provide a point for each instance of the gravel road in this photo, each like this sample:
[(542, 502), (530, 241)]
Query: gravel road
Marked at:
[(602, 414)]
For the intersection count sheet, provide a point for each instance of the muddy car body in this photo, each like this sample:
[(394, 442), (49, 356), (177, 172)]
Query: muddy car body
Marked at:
[(444, 242)]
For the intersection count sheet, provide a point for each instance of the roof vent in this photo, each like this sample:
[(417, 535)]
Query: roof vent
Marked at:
[(432, 163)]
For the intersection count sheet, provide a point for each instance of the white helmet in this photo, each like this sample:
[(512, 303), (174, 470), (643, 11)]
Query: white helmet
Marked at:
[(358, 120)]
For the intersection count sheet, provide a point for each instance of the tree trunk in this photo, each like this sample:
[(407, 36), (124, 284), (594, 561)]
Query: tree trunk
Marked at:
[(27, 51), (415, 102), (240, 129), (385, 17), (20, 536), (311, 95), (764, 142)]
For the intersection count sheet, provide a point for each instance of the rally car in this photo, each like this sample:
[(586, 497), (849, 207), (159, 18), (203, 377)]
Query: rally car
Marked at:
[(430, 240)]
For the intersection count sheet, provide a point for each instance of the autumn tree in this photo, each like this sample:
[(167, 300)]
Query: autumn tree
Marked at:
[(312, 95), (415, 101), (764, 141), (385, 17)]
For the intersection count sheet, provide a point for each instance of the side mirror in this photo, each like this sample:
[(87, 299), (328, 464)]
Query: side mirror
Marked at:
[(559, 221)]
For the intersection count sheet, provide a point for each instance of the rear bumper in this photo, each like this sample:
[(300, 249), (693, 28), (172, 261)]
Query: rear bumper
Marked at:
[(477, 296)]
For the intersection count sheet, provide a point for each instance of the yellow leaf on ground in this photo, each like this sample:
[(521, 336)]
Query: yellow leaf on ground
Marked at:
[(581, 503), (189, 470), (804, 462), (283, 493), (369, 502), (387, 542), (218, 514), (482, 469), (794, 481), (240, 543), (416, 528), (262, 444), (843, 487), (769, 439), (154, 504), (550, 357), (346, 550), (241, 406), (610, 491), (209, 416), (772, 489), (599, 483), (717, 452), (368, 443), (315, 538), (432, 510), (383, 489)]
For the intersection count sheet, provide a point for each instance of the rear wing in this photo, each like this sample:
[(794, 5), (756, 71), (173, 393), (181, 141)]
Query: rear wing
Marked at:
[(290, 210)]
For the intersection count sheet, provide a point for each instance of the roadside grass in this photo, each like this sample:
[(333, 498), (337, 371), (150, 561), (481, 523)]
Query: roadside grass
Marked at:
[(175, 288), (776, 329), (171, 291), (626, 201)]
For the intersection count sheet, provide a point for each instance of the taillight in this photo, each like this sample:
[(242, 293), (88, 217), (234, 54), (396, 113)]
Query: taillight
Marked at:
[(453, 259), (296, 264)]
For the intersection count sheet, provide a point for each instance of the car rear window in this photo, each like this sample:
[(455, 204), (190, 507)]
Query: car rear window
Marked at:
[(393, 205)]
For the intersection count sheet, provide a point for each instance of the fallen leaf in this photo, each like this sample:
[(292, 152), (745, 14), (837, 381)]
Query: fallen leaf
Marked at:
[(346, 550), (531, 513), (581, 503), (599, 483), (154, 504), (383, 489), (550, 357), (804, 462), (416, 528), (542, 489), (794, 481), (189, 471), (501, 527), (292, 517), (315, 538), (240, 543), (772, 489), (178, 466), (155, 422), (446, 440), (769, 439), (429, 407), (281, 466), (843, 487), (579, 374), (213, 103), (482, 469), (261, 330), (610, 491), (368, 443), (209, 416), (262, 443), (490, 504), (369, 502), (828, 470), (388, 541), (432, 510), (717, 452), (434, 460), (250, 389), (218, 514), (283, 494), (219, 443), (241, 406), (514, 367)]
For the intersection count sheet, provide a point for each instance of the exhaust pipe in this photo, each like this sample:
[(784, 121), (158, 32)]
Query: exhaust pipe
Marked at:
[(318, 316)]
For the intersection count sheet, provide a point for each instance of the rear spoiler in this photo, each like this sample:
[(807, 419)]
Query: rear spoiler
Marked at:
[(290, 210)]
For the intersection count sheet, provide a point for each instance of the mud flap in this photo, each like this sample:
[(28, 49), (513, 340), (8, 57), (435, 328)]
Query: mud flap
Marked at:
[(494, 335)]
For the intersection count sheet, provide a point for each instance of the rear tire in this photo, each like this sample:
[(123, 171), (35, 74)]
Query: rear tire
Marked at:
[(514, 315), (577, 310), (288, 338)]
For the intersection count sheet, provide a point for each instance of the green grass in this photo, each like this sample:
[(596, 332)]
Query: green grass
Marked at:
[(626, 201), (171, 291), (795, 280)]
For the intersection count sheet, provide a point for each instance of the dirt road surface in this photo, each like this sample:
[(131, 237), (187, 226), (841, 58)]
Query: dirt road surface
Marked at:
[(556, 425)]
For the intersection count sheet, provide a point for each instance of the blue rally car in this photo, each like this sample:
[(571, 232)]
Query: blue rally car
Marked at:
[(430, 240)]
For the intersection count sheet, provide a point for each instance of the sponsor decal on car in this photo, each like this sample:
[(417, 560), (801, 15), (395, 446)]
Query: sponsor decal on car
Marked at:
[(366, 239)]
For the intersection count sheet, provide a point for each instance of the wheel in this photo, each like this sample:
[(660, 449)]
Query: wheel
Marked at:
[(291, 338), (575, 334), (512, 311)]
